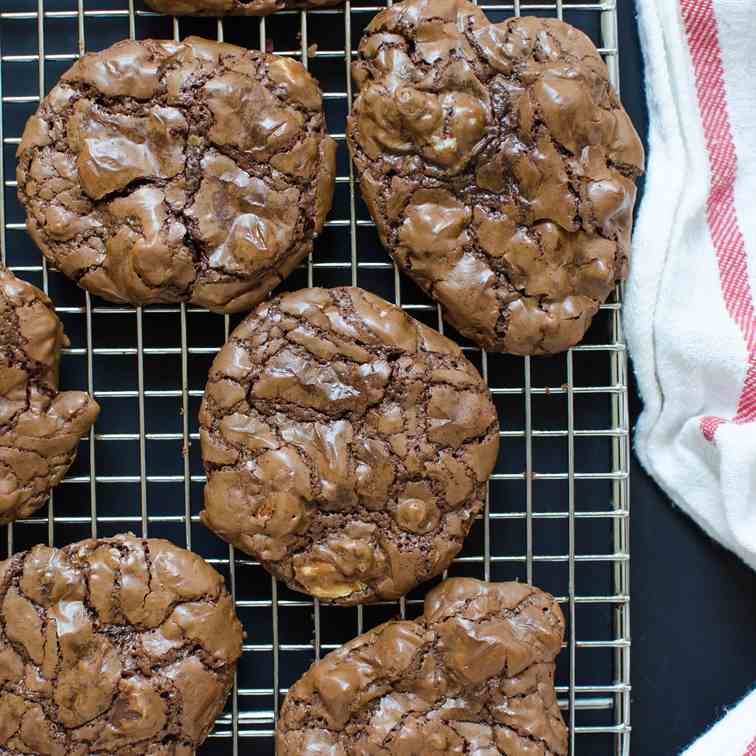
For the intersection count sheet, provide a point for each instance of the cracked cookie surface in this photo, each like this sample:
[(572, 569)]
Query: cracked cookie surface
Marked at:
[(473, 675), (347, 446), (499, 166), (40, 427), (118, 645), (158, 171), (235, 7)]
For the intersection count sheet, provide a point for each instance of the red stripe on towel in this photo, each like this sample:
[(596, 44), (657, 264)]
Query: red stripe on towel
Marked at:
[(751, 750), (703, 41)]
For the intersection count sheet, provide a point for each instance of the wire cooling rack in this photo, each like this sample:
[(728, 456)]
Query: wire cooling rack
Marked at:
[(558, 505)]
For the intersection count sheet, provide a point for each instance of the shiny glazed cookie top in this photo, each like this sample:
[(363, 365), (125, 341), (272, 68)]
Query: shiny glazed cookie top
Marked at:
[(347, 446), (40, 427), (118, 645), (159, 171), (499, 167), (234, 7), (473, 675)]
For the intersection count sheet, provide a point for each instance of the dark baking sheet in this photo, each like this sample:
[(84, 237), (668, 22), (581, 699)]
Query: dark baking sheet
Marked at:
[(559, 497)]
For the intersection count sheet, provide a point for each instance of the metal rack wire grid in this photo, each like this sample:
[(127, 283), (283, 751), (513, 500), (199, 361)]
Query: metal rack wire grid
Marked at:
[(557, 511)]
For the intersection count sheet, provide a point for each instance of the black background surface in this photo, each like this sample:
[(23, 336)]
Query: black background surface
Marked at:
[(693, 603)]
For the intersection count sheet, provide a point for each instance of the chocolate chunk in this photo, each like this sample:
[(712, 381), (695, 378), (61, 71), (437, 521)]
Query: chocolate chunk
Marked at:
[(235, 7), (117, 645), (40, 427), (473, 675), (499, 167), (159, 171), (347, 446)]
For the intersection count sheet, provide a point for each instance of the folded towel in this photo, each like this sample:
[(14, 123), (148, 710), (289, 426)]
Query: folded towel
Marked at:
[(689, 314)]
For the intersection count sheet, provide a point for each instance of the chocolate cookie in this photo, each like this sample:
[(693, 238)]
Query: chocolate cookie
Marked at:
[(119, 645), (473, 675), (347, 446), (178, 172), (499, 167), (40, 428), (235, 7)]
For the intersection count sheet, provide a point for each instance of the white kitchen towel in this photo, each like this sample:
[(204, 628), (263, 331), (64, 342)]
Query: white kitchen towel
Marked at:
[(732, 736), (689, 315)]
